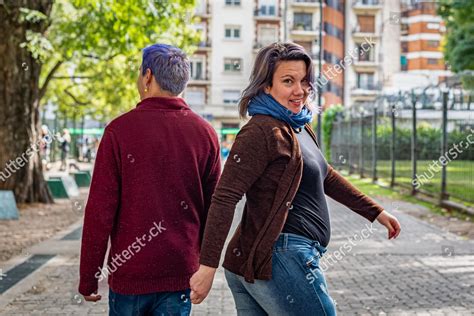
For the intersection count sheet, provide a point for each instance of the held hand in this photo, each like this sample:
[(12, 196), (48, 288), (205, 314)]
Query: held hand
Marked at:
[(201, 283), (94, 297), (391, 222)]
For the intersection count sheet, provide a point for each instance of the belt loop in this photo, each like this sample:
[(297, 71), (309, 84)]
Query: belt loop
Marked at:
[(285, 241)]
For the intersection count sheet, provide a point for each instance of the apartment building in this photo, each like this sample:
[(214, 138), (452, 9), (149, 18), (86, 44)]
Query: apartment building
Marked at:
[(372, 40), (421, 34), (302, 26), (232, 32)]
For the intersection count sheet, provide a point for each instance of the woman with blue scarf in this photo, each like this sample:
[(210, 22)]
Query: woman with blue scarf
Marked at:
[(272, 263)]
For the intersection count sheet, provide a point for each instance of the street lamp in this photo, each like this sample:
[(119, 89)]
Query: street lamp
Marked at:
[(320, 58)]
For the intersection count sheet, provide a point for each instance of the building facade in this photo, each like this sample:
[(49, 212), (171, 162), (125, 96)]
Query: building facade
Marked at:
[(367, 44), (421, 34)]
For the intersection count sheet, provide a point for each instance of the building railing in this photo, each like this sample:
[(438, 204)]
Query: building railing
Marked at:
[(304, 27), (366, 2)]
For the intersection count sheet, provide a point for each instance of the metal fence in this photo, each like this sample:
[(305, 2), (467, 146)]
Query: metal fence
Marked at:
[(423, 141)]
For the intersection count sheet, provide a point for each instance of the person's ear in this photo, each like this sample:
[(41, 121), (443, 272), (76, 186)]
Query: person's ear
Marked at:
[(148, 76), (267, 90)]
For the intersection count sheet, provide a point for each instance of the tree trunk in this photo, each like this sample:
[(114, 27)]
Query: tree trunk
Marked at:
[(20, 164)]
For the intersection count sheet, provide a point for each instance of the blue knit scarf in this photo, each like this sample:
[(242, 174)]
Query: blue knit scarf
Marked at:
[(265, 104)]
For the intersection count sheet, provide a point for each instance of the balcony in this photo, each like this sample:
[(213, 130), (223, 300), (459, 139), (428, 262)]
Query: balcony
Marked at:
[(362, 34), (264, 15), (204, 46), (366, 91), (203, 14), (305, 4), (302, 32), (199, 81), (366, 6), (365, 64)]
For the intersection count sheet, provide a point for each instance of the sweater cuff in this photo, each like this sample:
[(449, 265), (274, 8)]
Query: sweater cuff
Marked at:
[(209, 262), (87, 288)]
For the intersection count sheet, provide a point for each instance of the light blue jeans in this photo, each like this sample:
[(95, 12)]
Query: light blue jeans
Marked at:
[(297, 286)]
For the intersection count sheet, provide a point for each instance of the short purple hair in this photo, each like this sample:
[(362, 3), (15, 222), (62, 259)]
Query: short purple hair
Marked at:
[(169, 65)]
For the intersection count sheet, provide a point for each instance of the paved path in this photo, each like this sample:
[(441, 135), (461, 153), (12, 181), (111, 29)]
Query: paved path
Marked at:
[(426, 271)]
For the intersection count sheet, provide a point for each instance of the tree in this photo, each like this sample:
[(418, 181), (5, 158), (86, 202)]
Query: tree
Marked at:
[(77, 54), (459, 40)]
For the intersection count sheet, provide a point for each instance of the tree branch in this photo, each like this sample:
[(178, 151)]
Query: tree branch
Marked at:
[(74, 77), (74, 97), (43, 88)]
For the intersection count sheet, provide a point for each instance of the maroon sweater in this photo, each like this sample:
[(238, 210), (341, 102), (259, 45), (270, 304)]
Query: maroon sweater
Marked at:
[(155, 172)]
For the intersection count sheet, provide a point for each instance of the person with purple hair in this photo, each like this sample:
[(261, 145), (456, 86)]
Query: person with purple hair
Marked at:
[(155, 172)]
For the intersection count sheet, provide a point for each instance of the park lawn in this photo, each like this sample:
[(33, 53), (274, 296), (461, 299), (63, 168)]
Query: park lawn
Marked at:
[(369, 188), (460, 177)]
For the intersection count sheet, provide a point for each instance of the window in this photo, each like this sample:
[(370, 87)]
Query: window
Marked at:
[(432, 61), (403, 63), (333, 31), (201, 7), (336, 4), (232, 2), (303, 21), (433, 44), (307, 46), (365, 81), (404, 47), (201, 29), (366, 23), (197, 69), (267, 35), (232, 64), (231, 96), (332, 87), (267, 10), (331, 58), (232, 32), (366, 52), (195, 97)]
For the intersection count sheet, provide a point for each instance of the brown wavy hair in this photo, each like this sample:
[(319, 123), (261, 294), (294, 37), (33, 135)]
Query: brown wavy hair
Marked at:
[(265, 65)]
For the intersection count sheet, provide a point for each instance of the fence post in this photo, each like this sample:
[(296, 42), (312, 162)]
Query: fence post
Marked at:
[(374, 144), (413, 144), (361, 145), (444, 146), (392, 145), (349, 143)]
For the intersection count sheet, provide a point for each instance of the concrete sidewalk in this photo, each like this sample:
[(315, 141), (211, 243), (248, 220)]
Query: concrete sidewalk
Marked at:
[(426, 271)]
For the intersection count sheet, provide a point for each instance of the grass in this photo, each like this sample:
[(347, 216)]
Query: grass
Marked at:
[(369, 188), (460, 177)]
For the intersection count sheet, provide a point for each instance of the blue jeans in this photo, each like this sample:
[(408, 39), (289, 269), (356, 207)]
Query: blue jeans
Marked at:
[(297, 286), (155, 304)]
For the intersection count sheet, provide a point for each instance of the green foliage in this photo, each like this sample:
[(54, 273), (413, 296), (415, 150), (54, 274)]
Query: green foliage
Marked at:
[(93, 50), (428, 142), (329, 116), (459, 42)]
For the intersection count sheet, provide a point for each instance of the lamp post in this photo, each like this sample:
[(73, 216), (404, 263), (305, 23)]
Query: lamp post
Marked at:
[(320, 58)]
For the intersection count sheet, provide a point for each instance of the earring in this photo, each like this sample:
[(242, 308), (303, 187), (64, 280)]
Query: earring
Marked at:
[(146, 89)]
